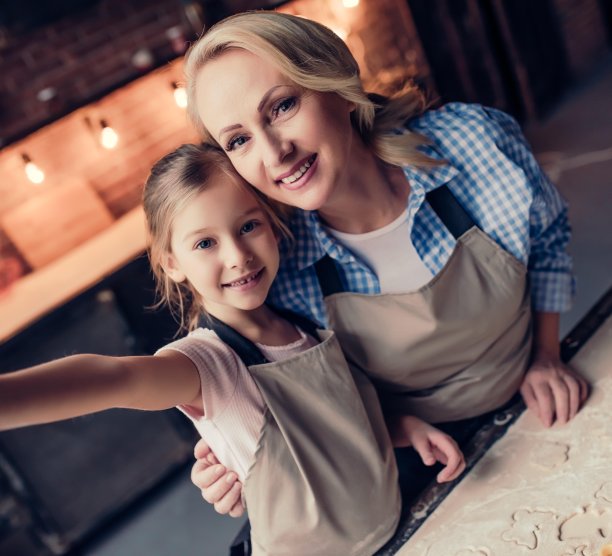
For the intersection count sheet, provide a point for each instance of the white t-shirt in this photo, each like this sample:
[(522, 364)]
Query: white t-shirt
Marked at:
[(233, 405), (393, 259)]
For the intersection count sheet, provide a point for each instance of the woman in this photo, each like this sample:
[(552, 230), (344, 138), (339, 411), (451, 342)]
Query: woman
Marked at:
[(431, 242)]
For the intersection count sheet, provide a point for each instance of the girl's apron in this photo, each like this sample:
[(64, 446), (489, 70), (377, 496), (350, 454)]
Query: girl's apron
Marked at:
[(324, 480), (457, 347)]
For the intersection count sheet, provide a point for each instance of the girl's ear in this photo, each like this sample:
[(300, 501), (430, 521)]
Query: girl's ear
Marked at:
[(171, 268)]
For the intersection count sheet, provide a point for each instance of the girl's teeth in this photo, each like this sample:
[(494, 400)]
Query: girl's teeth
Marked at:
[(298, 174)]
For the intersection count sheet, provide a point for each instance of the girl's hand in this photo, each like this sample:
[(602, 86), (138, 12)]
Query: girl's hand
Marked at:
[(218, 485), (552, 390), (431, 444)]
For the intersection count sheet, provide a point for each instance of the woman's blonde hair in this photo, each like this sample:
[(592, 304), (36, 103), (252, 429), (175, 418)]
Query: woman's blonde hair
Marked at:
[(314, 58), (174, 181)]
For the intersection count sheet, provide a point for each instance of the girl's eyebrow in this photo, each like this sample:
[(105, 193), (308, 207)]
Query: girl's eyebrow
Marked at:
[(245, 214)]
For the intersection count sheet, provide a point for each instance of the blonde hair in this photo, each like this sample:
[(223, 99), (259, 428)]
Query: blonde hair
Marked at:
[(174, 181), (316, 59)]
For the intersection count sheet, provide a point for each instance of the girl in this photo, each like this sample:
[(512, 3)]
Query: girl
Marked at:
[(429, 241), (273, 396)]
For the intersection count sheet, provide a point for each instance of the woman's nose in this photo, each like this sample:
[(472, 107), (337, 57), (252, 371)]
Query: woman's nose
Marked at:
[(275, 148)]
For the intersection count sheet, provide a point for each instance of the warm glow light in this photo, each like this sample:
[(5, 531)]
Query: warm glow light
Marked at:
[(350, 3), (108, 136), (180, 96), (33, 172)]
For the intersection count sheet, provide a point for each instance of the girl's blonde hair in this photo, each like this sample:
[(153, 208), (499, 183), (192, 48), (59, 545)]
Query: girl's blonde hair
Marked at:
[(316, 59), (174, 181)]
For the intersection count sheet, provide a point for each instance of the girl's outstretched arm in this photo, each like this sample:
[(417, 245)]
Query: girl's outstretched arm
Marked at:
[(82, 384)]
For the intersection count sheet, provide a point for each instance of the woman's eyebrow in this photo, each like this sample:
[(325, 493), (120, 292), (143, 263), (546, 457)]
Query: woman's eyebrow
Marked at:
[(264, 99)]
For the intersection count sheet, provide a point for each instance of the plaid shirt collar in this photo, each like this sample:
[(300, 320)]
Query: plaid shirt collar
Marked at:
[(313, 241)]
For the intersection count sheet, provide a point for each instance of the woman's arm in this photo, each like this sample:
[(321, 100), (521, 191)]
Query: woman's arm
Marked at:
[(552, 390), (83, 384)]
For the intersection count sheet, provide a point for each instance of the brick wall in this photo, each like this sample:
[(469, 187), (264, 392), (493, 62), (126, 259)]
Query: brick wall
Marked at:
[(82, 57)]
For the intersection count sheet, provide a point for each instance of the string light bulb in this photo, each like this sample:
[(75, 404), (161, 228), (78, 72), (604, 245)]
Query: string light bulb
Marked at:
[(180, 95), (33, 172), (108, 136)]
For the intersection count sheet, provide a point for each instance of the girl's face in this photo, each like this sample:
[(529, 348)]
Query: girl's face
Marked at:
[(294, 145), (223, 244)]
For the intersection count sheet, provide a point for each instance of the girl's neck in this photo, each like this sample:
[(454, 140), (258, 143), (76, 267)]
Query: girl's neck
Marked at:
[(373, 195), (261, 325)]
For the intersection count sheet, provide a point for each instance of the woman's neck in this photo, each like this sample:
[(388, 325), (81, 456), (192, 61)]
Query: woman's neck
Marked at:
[(373, 195)]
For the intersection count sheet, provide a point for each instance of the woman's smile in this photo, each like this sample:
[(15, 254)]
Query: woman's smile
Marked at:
[(299, 175)]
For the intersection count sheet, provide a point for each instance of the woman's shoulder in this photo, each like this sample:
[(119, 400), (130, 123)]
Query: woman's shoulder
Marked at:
[(470, 121)]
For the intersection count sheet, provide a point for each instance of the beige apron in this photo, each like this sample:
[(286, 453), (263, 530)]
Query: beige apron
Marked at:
[(457, 347), (324, 481)]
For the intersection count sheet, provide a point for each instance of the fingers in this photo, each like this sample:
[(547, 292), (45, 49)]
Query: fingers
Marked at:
[(230, 502), (448, 452), (423, 447), (554, 394), (201, 450)]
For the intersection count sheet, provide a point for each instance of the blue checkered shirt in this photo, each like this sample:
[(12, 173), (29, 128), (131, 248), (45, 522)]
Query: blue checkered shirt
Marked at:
[(493, 174)]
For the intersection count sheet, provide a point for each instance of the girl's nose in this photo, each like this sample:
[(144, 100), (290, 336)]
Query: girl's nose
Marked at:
[(236, 255)]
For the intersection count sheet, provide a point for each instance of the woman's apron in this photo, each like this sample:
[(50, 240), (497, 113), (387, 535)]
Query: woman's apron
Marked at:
[(324, 481), (456, 348)]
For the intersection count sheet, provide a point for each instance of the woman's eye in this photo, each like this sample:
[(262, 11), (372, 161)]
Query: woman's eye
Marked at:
[(283, 106), (235, 142), (249, 227), (204, 244)]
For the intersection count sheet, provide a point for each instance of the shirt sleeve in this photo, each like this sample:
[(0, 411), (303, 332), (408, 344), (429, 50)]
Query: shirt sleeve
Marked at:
[(550, 266), (217, 366)]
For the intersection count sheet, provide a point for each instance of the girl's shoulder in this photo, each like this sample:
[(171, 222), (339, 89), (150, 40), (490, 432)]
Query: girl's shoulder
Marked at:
[(204, 348)]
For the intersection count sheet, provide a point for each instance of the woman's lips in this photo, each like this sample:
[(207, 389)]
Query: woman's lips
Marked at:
[(300, 176)]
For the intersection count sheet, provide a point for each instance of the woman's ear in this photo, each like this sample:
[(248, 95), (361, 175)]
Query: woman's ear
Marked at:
[(171, 268)]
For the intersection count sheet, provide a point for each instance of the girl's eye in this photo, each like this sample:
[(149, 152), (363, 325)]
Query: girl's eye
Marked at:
[(283, 106), (249, 227), (235, 142), (205, 244)]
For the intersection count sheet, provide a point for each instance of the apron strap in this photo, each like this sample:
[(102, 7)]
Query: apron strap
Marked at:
[(248, 352), (443, 203), (448, 209)]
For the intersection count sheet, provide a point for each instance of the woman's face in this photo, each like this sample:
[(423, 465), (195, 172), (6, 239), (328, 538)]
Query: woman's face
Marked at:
[(294, 145)]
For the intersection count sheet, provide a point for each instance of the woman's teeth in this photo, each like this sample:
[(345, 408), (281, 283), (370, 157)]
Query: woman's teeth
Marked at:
[(298, 174)]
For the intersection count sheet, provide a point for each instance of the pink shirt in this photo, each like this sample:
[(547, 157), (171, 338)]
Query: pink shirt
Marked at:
[(233, 406)]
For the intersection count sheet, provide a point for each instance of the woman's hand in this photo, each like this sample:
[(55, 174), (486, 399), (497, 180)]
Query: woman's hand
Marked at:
[(431, 444), (552, 390), (218, 485)]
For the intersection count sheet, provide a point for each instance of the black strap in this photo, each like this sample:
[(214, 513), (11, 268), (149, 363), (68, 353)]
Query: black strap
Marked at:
[(443, 203), (448, 209), (248, 352)]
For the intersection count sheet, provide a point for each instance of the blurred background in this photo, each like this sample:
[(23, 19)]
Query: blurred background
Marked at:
[(91, 94)]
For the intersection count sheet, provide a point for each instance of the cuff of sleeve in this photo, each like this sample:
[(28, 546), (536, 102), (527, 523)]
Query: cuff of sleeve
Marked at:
[(551, 292)]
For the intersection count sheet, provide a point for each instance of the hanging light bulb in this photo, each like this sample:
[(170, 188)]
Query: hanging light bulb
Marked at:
[(33, 172), (108, 136), (180, 95), (350, 3)]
